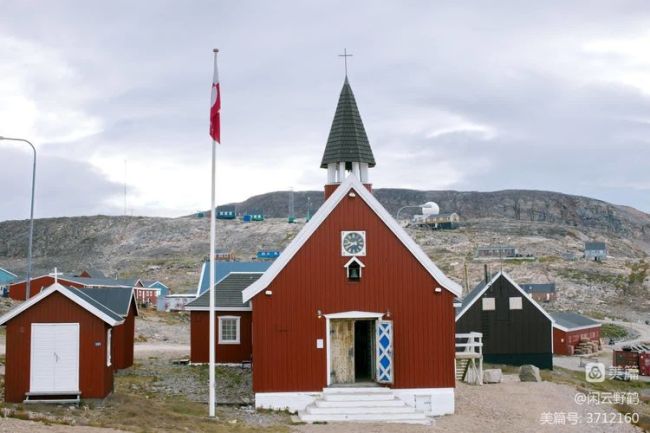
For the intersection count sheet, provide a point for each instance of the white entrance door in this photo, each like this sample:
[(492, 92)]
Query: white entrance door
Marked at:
[(54, 358)]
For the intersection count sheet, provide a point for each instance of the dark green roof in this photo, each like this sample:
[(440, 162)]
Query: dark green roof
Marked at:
[(117, 299), (347, 141), (227, 292), (98, 305), (571, 320)]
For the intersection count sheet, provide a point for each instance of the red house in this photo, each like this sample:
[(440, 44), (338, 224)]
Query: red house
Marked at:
[(233, 337), (17, 290), (570, 329), (120, 300), (353, 305), (59, 347)]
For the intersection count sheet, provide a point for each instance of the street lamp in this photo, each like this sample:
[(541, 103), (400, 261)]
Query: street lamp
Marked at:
[(28, 283)]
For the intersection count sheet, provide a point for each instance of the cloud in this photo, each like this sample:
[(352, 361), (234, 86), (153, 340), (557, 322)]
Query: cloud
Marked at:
[(453, 95), (63, 187), (42, 96)]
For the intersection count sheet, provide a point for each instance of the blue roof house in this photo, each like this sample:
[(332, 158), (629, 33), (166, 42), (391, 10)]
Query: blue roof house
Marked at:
[(223, 269), (6, 278)]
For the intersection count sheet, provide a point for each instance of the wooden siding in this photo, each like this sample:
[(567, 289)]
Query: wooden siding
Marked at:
[(565, 342), (17, 291), (286, 325), (123, 340), (331, 187), (146, 295), (512, 336), (95, 377), (226, 353)]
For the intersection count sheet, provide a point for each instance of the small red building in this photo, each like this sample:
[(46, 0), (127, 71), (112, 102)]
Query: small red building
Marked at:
[(18, 288), (569, 329), (120, 300), (233, 336), (59, 347), (352, 301)]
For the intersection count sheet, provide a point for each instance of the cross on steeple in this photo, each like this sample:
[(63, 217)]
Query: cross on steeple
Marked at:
[(56, 274), (345, 56)]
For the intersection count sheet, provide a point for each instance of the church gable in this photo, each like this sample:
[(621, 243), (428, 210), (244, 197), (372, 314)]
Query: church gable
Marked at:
[(339, 214)]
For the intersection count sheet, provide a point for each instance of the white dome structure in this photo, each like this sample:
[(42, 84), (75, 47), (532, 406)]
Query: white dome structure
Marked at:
[(430, 208)]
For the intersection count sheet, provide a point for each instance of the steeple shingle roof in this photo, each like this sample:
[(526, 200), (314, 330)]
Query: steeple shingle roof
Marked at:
[(347, 141)]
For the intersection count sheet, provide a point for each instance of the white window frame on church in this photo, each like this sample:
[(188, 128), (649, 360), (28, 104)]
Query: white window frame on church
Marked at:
[(229, 338)]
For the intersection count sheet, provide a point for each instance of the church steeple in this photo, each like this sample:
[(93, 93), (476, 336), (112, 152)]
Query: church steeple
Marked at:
[(347, 149)]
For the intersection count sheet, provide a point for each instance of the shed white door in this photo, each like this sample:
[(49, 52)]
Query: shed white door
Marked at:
[(54, 358)]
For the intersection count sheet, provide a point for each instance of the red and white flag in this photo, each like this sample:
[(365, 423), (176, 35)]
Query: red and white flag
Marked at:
[(215, 106)]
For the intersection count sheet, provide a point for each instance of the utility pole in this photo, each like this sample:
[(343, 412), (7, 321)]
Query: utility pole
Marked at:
[(28, 283)]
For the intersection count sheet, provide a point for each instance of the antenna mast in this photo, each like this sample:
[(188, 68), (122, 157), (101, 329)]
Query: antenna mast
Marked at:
[(125, 187)]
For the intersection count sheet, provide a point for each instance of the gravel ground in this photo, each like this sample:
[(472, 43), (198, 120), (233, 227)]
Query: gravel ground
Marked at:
[(12, 425), (160, 327), (512, 407), (191, 381)]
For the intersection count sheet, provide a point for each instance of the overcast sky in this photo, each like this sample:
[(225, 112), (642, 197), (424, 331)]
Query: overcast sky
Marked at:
[(550, 95)]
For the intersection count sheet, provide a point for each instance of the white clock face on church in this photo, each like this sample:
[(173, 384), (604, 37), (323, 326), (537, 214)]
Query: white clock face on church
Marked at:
[(353, 243)]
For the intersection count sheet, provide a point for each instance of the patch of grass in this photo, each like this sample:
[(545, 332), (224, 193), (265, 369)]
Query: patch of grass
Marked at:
[(594, 277), (519, 261), (611, 330), (638, 273), (549, 259), (596, 315)]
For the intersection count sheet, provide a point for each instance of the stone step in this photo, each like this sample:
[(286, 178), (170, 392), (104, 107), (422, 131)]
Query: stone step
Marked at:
[(356, 390), (317, 410), (406, 418), (359, 396), (395, 402)]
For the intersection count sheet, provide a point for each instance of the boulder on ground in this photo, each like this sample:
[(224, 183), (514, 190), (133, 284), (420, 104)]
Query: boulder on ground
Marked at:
[(529, 373), (492, 375)]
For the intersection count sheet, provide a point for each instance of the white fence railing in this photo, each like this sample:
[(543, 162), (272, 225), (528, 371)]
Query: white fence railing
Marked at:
[(471, 342)]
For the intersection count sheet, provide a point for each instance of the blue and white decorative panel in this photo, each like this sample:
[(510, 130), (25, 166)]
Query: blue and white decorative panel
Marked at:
[(384, 346)]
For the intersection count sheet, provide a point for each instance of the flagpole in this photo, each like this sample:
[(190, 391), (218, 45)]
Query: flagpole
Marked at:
[(213, 230)]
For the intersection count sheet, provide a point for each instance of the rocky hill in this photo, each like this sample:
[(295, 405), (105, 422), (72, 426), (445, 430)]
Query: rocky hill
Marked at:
[(544, 224), (519, 205)]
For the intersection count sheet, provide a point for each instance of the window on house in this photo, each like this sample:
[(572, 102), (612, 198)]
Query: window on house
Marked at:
[(488, 304), (516, 303), (228, 330), (109, 347)]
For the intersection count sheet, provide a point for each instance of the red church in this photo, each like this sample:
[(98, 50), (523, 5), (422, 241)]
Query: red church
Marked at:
[(353, 312)]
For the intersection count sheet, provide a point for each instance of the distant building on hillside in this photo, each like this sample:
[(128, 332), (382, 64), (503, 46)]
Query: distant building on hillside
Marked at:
[(442, 221), (177, 301), (432, 218), (496, 251), (226, 213), (540, 292), (596, 251)]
